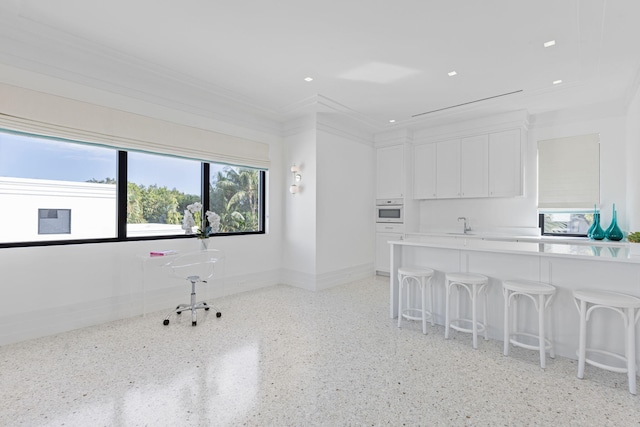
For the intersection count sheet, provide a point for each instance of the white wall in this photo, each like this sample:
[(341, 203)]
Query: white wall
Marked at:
[(632, 163), (299, 254), (611, 125), (513, 215), (52, 289), (345, 213), (328, 231)]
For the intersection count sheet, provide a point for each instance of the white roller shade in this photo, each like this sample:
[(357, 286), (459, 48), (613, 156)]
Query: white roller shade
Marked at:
[(39, 113), (569, 172)]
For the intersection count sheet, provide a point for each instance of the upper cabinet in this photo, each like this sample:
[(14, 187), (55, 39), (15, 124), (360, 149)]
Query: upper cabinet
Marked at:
[(486, 165), (390, 171), (448, 169), (505, 164), (474, 165), (424, 171)]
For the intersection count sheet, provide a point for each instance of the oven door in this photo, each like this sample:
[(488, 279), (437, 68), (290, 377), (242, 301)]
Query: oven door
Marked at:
[(389, 214)]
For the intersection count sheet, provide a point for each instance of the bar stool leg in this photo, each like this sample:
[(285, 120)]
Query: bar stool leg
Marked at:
[(424, 305), (431, 301), (505, 293), (631, 349), (541, 334), (484, 310), (447, 314), (474, 316), (582, 345), (552, 353), (400, 301)]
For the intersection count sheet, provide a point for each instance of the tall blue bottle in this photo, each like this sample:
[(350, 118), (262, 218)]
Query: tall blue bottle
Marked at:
[(597, 233), (613, 232)]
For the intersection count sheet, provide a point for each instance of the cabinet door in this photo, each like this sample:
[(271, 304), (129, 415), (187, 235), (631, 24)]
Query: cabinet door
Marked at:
[(474, 166), (448, 169), (389, 182), (505, 164), (383, 251), (424, 171)]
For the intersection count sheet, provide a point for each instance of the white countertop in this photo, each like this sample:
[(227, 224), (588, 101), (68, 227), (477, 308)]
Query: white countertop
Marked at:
[(520, 238), (619, 252)]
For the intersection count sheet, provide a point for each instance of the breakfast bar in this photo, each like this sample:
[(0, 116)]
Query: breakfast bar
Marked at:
[(567, 266)]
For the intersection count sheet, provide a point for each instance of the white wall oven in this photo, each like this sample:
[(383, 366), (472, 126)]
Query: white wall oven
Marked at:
[(389, 210)]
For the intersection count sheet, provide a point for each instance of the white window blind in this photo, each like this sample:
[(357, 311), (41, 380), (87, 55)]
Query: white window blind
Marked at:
[(569, 172), (44, 114)]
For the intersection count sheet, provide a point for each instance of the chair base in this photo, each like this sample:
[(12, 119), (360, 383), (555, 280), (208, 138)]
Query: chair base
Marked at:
[(190, 307)]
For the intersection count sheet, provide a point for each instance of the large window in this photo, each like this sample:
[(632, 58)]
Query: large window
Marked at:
[(55, 190)]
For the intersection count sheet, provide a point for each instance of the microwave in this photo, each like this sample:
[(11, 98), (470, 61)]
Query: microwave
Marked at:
[(389, 210)]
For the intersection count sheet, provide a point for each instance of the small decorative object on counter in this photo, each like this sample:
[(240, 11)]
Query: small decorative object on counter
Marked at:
[(613, 232), (634, 243), (596, 232)]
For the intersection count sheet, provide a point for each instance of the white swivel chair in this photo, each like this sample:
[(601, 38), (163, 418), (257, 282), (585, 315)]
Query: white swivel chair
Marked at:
[(196, 267)]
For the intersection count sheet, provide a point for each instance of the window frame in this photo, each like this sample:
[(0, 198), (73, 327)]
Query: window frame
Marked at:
[(121, 203)]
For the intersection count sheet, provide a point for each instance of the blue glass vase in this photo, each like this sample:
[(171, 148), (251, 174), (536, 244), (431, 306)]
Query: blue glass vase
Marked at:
[(613, 232), (597, 233)]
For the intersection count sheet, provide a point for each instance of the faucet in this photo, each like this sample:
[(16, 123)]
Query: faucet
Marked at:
[(466, 227)]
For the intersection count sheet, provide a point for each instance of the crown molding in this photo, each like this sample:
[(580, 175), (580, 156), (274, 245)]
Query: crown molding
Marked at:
[(33, 47)]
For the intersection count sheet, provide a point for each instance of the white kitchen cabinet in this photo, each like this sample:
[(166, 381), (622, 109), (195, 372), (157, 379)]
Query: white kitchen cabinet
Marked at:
[(383, 249), (474, 166), (505, 164), (390, 171), (424, 171), (448, 169)]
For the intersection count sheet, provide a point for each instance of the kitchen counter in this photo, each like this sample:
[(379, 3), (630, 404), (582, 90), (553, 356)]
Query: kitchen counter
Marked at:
[(568, 266), (516, 238), (593, 250)]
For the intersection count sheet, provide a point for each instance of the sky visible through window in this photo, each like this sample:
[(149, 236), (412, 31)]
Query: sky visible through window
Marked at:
[(35, 158)]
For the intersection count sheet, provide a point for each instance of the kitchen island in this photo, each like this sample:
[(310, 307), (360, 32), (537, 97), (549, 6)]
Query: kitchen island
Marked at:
[(566, 266)]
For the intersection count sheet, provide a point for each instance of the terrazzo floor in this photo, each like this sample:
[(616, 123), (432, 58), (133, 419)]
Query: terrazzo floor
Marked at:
[(283, 356)]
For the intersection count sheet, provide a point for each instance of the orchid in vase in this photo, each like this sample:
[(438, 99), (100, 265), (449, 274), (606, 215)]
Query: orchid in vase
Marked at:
[(194, 223)]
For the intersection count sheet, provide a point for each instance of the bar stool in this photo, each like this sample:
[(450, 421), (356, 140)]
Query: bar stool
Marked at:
[(541, 294), (421, 277), (628, 307), (475, 285)]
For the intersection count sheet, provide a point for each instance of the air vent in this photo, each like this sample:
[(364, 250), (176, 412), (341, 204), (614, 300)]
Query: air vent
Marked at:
[(467, 103)]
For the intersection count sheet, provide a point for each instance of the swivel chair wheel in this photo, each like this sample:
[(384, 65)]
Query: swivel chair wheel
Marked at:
[(166, 322), (193, 323), (218, 314), (206, 307), (178, 312)]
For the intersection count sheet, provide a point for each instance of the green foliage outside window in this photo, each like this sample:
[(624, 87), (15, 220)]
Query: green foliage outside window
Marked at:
[(234, 195)]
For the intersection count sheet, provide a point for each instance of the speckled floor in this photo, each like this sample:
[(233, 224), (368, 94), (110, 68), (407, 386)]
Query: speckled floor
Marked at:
[(283, 356)]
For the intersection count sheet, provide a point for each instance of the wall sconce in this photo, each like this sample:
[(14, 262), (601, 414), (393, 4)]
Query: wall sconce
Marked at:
[(293, 189)]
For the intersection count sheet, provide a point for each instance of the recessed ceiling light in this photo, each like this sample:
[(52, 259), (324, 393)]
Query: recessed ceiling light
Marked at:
[(550, 43), (392, 121), (557, 82), (308, 79), (452, 73)]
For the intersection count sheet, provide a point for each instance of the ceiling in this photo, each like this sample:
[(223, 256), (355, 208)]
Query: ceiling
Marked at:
[(374, 60)]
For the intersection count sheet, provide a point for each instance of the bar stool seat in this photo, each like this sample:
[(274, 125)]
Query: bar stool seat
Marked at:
[(628, 307), (541, 294), (475, 285), (420, 277)]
